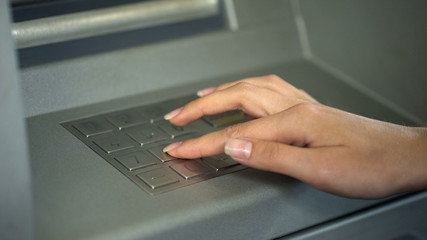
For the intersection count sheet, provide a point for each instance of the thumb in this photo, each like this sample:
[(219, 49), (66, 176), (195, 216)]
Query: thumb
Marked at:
[(271, 156)]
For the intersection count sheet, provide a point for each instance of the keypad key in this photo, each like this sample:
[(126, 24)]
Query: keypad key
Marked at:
[(189, 169), (156, 113), (146, 134), (220, 162), (176, 131), (136, 160), (225, 118), (162, 156), (132, 140), (127, 119), (114, 143), (92, 127), (157, 178), (153, 114)]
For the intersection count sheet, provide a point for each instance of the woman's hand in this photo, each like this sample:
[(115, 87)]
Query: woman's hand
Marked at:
[(256, 97), (330, 149)]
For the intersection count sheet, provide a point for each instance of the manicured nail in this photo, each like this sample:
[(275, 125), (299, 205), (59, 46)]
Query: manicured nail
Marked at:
[(205, 91), (173, 113), (238, 149), (171, 146)]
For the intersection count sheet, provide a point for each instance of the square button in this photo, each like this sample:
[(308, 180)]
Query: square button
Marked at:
[(114, 143), (92, 127), (162, 156), (220, 162), (146, 134), (127, 119), (176, 131), (136, 160), (153, 114), (189, 169), (157, 178)]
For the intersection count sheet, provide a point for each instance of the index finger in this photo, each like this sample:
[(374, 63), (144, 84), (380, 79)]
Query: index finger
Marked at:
[(252, 100), (267, 128)]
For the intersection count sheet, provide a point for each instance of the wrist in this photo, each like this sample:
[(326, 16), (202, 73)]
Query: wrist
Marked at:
[(416, 159)]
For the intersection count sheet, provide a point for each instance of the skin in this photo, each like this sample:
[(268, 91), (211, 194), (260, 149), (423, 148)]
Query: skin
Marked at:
[(292, 134)]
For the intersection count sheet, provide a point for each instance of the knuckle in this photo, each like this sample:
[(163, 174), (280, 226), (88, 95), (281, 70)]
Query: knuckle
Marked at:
[(244, 87), (244, 93), (199, 107), (195, 107), (233, 131), (309, 109), (326, 178), (273, 156), (273, 79)]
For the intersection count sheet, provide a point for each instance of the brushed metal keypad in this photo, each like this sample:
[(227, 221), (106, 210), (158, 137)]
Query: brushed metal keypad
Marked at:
[(132, 141)]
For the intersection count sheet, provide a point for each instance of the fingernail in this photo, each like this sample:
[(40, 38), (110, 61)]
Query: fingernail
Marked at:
[(173, 113), (238, 149), (205, 91), (171, 146)]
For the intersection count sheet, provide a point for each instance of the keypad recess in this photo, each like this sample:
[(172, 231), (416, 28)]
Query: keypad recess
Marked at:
[(132, 141)]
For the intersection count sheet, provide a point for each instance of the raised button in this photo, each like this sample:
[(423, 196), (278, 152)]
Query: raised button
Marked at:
[(146, 134), (153, 114), (176, 131), (220, 162), (114, 143), (136, 160), (162, 156), (189, 169), (126, 119), (157, 178), (92, 127)]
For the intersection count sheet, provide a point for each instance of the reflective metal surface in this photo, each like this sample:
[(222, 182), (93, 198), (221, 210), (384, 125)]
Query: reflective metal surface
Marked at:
[(109, 20)]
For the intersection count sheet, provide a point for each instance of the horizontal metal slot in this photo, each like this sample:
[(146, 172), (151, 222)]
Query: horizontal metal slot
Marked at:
[(110, 20)]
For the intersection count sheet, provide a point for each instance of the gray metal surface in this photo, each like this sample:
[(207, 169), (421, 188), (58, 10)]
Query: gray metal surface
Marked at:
[(78, 195), (16, 213), (376, 46), (133, 143), (109, 20), (404, 219), (268, 39)]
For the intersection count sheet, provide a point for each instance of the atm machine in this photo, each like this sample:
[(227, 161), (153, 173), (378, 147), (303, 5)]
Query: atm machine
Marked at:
[(84, 85)]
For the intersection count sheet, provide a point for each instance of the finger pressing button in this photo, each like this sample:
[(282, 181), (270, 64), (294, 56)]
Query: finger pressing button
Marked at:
[(189, 169)]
